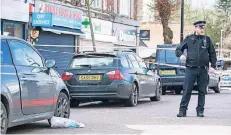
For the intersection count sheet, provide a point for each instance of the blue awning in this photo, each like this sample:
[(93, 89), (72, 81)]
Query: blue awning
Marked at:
[(63, 30)]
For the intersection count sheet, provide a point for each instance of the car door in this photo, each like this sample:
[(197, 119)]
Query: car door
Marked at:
[(37, 87), (148, 77), (138, 72)]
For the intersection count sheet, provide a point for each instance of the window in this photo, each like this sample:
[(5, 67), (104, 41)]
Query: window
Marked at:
[(97, 4), (13, 29), (5, 53), (104, 4), (115, 6), (93, 62), (25, 55), (168, 56), (125, 7), (140, 61), (134, 61), (124, 62)]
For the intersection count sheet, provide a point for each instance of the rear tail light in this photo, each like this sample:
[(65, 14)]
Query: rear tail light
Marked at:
[(66, 76), (115, 75)]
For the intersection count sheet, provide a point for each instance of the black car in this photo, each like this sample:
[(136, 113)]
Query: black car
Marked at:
[(170, 68), (118, 75)]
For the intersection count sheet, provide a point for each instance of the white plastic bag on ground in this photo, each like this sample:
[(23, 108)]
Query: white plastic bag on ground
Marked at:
[(58, 122)]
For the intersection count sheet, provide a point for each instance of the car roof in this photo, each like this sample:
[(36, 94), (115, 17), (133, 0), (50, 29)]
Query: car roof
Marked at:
[(167, 46), (10, 37), (113, 53)]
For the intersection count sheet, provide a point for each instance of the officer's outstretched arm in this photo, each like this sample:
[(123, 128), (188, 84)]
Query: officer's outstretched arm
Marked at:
[(180, 49), (212, 55)]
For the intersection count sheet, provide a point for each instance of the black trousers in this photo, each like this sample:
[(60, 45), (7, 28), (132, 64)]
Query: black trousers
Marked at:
[(201, 76)]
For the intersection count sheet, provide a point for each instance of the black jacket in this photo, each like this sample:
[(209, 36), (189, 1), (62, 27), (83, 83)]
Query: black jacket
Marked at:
[(200, 51)]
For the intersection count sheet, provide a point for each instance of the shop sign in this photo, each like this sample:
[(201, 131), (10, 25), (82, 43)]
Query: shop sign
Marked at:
[(61, 15), (42, 19), (15, 10), (99, 26), (145, 34), (124, 32)]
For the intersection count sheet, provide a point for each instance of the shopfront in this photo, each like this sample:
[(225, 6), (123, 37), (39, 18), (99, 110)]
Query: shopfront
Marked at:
[(125, 31), (59, 29), (14, 20), (104, 39)]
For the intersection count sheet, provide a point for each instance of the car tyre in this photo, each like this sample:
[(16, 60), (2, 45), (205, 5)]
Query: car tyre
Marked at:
[(164, 90), (217, 89), (62, 107), (133, 99), (158, 93), (178, 91), (4, 119), (74, 103)]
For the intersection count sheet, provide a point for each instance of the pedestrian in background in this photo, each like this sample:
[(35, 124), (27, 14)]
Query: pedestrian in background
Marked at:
[(200, 51)]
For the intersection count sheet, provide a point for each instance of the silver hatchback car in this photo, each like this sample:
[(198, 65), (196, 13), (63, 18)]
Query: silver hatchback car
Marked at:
[(30, 89)]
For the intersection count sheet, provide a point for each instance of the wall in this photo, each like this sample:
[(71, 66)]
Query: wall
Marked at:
[(156, 32)]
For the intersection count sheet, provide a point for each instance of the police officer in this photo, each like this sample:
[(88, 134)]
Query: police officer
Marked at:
[(200, 51)]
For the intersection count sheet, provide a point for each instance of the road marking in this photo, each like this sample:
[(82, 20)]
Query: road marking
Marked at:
[(182, 129)]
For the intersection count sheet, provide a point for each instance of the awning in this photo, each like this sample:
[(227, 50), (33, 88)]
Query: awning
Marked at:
[(63, 30)]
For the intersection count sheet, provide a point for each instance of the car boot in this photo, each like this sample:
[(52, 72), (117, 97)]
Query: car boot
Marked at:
[(182, 114)]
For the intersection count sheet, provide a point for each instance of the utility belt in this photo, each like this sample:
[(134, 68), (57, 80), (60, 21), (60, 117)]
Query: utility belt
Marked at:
[(203, 67)]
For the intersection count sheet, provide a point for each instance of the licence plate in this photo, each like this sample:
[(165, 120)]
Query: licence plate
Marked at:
[(89, 77), (168, 72)]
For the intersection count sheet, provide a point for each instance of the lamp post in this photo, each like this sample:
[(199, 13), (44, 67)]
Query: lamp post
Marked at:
[(221, 40)]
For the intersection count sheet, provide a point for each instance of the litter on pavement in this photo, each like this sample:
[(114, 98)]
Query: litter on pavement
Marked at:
[(58, 122)]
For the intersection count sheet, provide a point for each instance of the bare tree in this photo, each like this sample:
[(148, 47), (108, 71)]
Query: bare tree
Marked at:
[(165, 9)]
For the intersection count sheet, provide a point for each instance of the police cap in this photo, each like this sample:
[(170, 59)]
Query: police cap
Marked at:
[(200, 24)]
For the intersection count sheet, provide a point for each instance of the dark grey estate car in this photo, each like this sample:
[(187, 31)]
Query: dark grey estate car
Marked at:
[(30, 89), (119, 75)]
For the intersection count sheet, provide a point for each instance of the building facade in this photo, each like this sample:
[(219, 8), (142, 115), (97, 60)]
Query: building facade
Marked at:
[(60, 28), (14, 21)]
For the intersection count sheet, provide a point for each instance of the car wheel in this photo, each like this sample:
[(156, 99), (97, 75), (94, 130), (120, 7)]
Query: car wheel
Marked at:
[(217, 89), (133, 99), (62, 106), (207, 90), (4, 119), (74, 103), (178, 91), (164, 91), (158, 93)]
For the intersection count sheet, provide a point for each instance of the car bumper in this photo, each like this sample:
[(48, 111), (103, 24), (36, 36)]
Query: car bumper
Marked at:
[(116, 90), (225, 84), (172, 80)]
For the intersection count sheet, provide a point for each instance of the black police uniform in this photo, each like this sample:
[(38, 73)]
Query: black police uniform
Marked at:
[(200, 51)]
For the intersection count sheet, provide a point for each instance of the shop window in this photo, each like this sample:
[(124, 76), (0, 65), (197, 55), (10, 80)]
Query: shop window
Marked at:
[(13, 29)]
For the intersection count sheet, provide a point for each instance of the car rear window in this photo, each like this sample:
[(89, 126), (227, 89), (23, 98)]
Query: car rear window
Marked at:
[(93, 62), (168, 56)]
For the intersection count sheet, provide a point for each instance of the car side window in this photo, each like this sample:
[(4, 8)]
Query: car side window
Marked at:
[(24, 55), (133, 61), (141, 63), (5, 53), (124, 62)]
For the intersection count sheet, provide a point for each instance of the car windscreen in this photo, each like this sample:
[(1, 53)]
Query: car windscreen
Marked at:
[(167, 56), (93, 61)]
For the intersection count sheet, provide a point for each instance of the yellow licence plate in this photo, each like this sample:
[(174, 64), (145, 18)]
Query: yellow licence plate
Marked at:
[(89, 77), (168, 72)]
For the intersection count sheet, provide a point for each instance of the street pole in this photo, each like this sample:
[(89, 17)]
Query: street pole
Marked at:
[(221, 53), (91, 26), (182, 21)]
